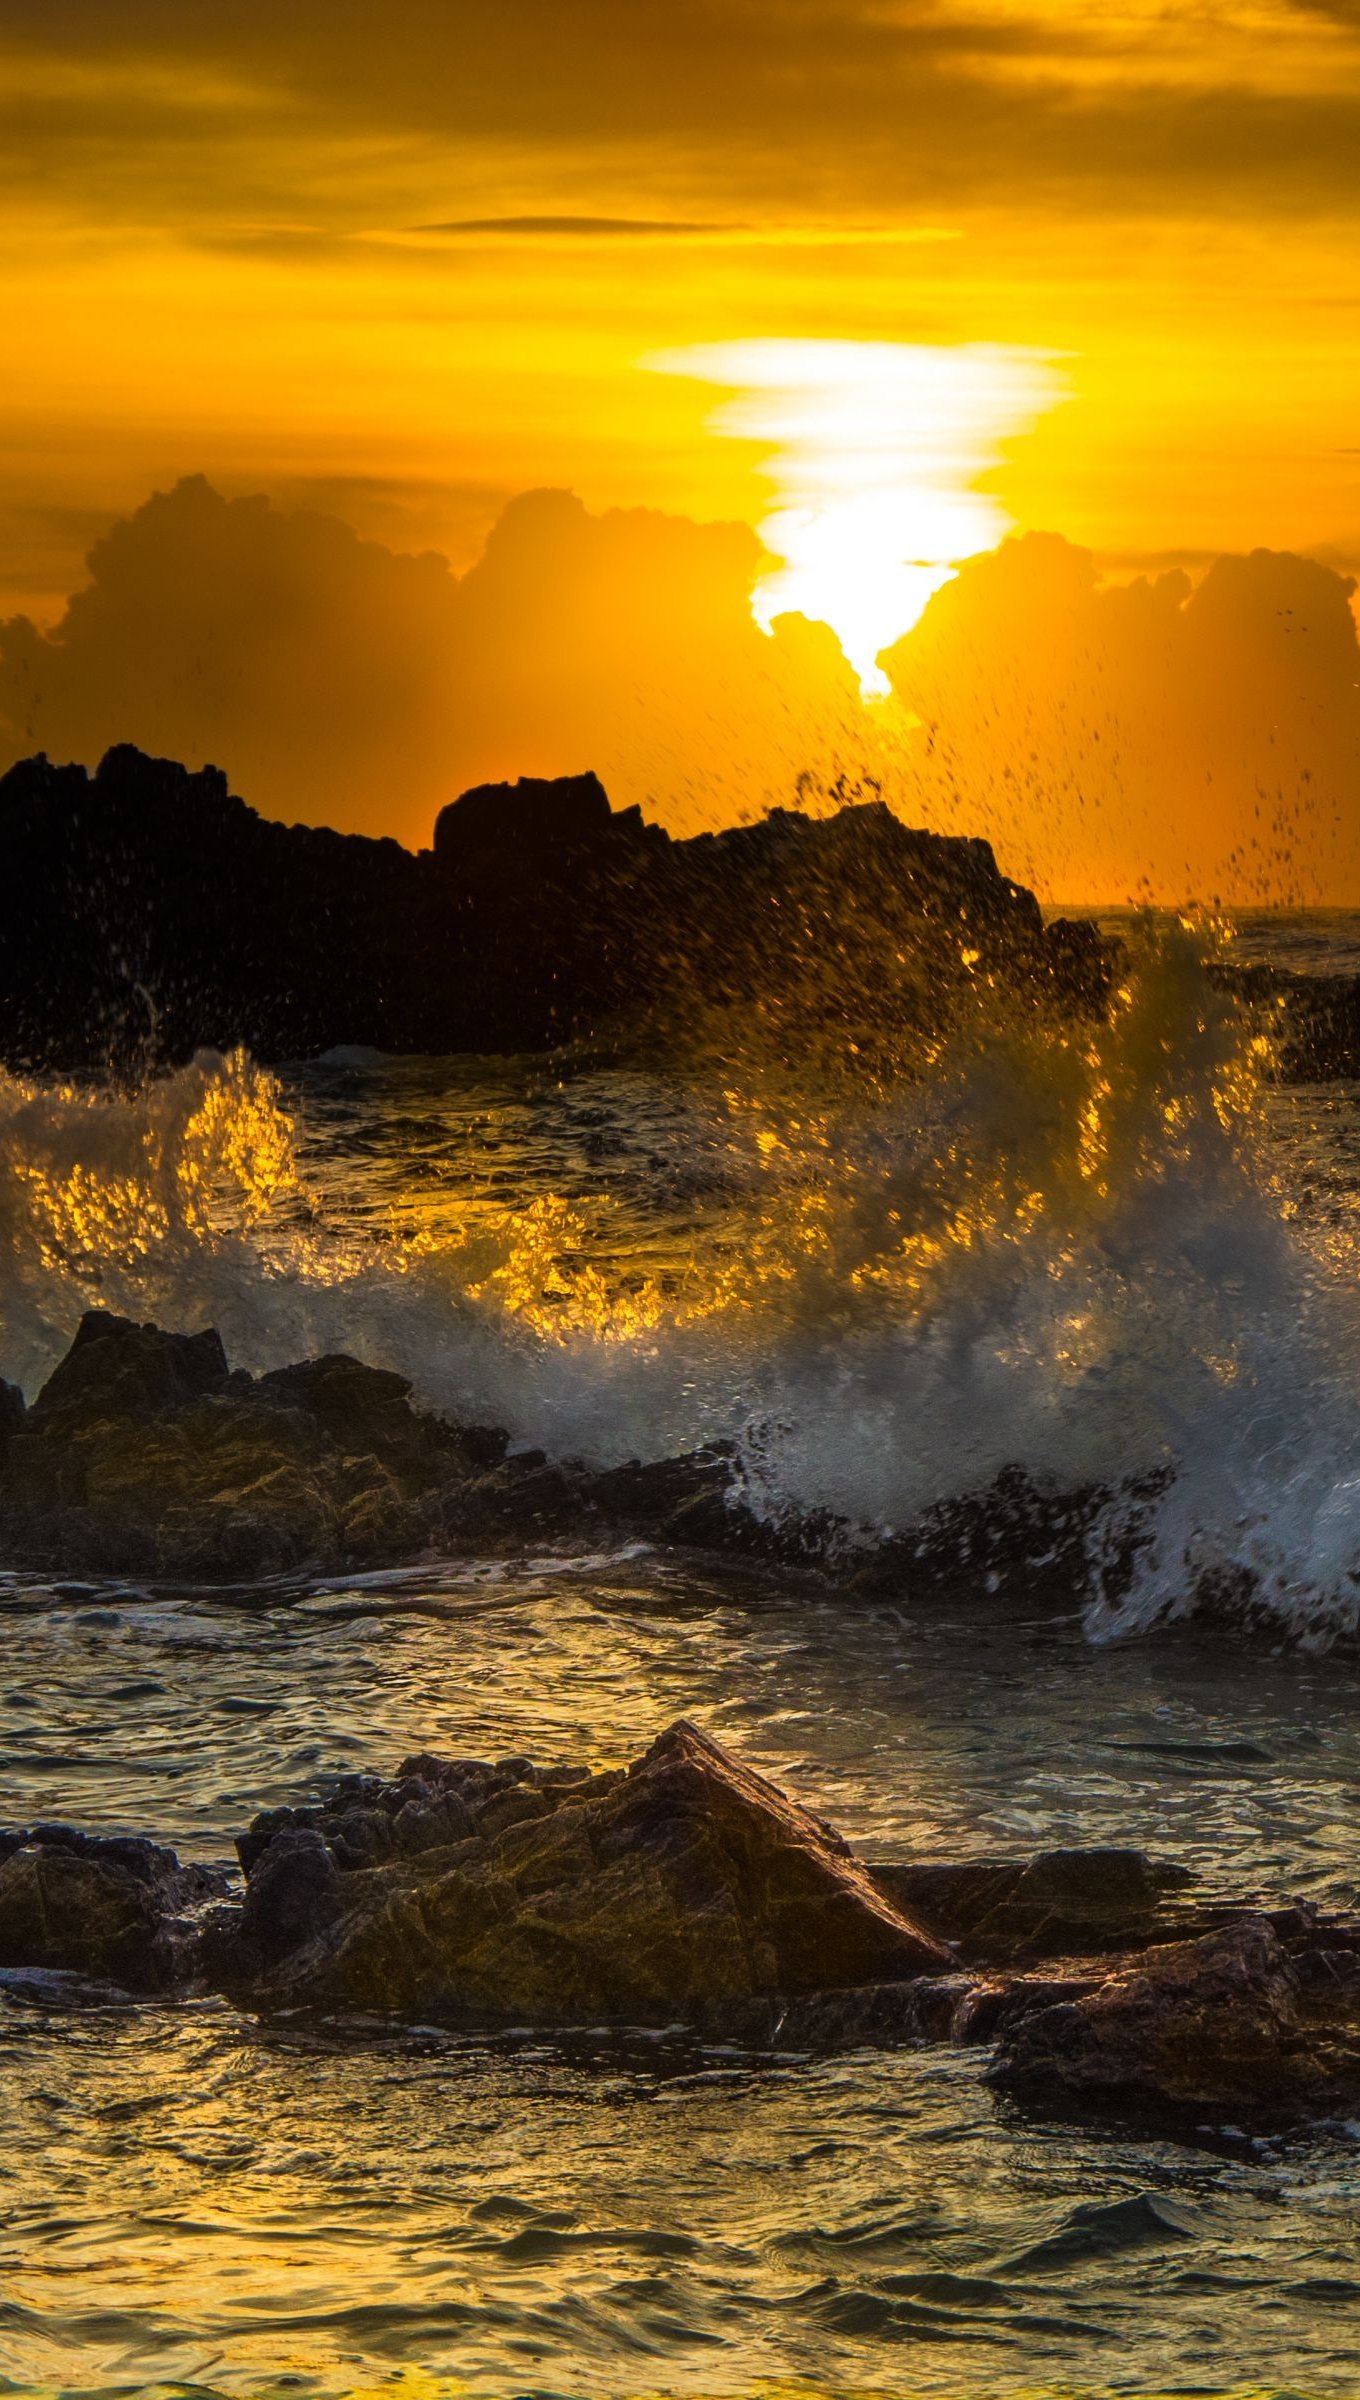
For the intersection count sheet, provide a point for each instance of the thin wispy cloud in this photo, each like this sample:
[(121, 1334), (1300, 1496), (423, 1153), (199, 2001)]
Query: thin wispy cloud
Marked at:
[(585, 228)]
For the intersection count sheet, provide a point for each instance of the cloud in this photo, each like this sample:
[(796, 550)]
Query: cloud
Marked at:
[(1160, 737), (553, 116), (345, 683), (1154, 739), (585, 228)]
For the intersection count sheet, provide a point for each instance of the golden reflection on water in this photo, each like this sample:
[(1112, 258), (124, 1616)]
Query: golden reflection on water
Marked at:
[(288, 2381), (99, 1181), (879, 1192)]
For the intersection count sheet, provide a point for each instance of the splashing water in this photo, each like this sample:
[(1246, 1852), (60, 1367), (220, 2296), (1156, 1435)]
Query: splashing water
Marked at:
[(1061, 1250)]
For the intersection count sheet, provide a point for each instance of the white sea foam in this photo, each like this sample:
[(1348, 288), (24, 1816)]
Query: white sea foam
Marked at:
[(1060, 1250)]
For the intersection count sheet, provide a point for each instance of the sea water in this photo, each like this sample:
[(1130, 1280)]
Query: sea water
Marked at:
[(1123, 1256)]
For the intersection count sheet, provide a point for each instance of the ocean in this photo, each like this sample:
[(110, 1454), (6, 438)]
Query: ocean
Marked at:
[(1128, 1258)]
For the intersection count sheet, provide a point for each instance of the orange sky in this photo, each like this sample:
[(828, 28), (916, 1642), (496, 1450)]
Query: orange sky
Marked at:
[(404, 264)]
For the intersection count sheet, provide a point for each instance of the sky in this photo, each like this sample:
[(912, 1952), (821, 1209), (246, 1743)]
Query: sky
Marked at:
[(399, 267)]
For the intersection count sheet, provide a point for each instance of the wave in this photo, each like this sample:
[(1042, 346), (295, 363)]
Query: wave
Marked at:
[(1063, 1250)]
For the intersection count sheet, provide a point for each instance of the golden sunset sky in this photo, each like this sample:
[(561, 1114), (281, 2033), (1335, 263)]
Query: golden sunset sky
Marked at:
[(403, 263)]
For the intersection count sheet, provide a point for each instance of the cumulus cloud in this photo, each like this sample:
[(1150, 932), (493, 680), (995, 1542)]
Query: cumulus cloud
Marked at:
[(1155, 738), (309, 662), (345, 683)]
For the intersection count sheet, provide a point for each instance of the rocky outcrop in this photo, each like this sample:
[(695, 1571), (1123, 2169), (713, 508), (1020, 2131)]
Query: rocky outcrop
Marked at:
[(686, 1890), (117, 1909), (680, 1885), (145, 912), (144, 1454), (1259, 2019), (1060, 1904)]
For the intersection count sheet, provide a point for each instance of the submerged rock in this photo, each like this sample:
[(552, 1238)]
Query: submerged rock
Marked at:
[(117, 1908), (681, 1884), (1260, 2018)]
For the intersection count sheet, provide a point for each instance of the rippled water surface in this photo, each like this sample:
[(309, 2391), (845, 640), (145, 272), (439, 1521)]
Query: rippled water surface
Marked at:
[(192, 2199), (193, 2202)]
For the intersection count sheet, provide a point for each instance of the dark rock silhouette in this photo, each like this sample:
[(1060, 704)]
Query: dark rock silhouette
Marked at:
[(517, 829), (145, 913)]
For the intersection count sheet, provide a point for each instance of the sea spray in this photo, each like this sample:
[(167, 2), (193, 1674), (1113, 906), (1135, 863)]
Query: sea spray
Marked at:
[(1058, 1250)]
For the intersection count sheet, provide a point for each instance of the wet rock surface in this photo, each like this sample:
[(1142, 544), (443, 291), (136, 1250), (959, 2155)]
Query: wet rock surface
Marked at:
[(117, 1908), (681, 1884), (146, 1454), (1258, 2019), (686, 1891)]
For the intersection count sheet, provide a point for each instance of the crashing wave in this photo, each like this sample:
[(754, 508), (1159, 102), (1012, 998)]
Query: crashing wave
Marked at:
[(1059, 1255)]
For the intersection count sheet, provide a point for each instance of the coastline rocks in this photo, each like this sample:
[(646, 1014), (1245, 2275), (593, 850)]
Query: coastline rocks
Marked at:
[(115, 1368), (1260, 2018), (680, 1885), (115, 1908), (1062, 1903), (143, 1454), (686, 1891), (146, 912)]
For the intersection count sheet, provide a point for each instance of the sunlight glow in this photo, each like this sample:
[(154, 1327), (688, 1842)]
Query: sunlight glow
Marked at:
[(876, 452)]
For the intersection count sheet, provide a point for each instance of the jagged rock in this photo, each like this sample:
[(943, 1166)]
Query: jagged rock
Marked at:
[(116, 1907), (686, 1890), (682, 1884), (516, 828), (1258, 2019), (143, 1454), (1062, 1903), (117, 1369), (145, 913)]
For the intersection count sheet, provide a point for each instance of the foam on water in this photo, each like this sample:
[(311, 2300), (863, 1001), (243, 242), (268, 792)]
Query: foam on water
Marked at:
[(1062, 1248)]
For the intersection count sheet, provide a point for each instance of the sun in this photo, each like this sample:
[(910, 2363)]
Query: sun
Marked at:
[(876, 450)]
